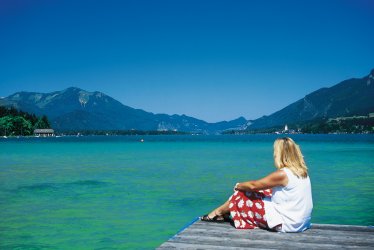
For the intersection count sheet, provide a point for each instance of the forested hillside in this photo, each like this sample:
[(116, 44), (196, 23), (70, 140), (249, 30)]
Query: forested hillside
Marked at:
[(14, 122)]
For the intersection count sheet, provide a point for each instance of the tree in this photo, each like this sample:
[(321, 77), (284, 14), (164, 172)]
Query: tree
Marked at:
[(22, 126), (6, 125), (15, 122), (39, 124), (46, 122), (42, 123)]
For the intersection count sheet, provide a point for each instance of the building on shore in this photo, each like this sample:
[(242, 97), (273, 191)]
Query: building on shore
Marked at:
[(44, 132), (286, 130)]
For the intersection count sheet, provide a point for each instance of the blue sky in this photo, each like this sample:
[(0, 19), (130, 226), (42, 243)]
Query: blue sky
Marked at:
[(213, 60)]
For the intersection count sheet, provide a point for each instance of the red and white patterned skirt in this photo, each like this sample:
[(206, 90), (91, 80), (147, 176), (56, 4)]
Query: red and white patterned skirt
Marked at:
[(247, 209)]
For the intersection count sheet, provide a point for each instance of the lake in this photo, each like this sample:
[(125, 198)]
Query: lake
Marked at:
[(115, 192)]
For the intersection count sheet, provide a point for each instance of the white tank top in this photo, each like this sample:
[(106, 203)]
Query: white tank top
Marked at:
[(291, 205)]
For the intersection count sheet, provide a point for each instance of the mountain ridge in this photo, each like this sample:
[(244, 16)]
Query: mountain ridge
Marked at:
[(353, 96), (75, 108)]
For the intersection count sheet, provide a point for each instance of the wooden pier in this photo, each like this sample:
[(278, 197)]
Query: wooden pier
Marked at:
[(204, 235)]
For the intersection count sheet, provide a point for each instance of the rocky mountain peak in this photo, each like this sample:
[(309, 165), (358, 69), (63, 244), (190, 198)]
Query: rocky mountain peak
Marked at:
[(72, 89)]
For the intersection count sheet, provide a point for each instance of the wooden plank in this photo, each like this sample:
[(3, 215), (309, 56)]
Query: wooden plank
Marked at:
[(250, 243), (302, 237), (178, 245), (309, 233), (343, 227), (202, 235)]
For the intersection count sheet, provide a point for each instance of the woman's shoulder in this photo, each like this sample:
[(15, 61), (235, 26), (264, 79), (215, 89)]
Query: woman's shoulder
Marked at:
[(291, 174), (293, 179), (287, 171)]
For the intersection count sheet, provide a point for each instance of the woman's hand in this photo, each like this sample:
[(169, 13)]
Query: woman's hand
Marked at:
[(236, 186)]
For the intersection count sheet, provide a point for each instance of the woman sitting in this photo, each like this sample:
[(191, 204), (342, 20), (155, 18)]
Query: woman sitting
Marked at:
[(281, 201)]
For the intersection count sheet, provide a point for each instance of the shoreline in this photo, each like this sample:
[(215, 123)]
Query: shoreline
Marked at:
[(184, 134)]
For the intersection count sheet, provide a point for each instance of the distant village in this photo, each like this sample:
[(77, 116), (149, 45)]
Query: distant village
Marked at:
[(288, 131)]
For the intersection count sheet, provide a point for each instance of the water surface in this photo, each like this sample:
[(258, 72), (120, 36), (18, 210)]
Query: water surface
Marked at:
[(116, 192)]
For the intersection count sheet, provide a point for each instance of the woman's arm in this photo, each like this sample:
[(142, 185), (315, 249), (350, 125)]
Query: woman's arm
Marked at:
[(277, 178)]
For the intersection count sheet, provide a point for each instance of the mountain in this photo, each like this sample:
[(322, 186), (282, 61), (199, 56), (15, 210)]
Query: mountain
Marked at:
[(77, 109), (347, 98)]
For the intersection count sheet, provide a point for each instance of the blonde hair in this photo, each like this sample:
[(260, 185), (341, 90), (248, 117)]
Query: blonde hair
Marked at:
[(288, 154)]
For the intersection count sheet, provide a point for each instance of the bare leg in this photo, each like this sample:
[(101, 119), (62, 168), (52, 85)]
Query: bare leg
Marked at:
[(220, 211)]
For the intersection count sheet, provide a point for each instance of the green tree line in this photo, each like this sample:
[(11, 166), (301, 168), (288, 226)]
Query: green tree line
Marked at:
[(343, 125), (349, 125), (14, 122)]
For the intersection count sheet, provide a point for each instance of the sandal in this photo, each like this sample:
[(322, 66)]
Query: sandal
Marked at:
[(217, 219), (227, 217)]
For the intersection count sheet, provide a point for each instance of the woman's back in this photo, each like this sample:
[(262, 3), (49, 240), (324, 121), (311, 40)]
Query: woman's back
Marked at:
[(292, 203)]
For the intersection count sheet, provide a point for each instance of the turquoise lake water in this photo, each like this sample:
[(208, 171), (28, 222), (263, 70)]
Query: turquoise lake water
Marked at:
[(118, 193)]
